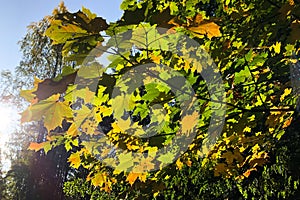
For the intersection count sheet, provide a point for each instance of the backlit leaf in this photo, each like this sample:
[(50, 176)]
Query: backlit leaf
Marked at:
[(286, 92), (131, 177), (37, 146), (51, 110), (189, 122), (75, 160)]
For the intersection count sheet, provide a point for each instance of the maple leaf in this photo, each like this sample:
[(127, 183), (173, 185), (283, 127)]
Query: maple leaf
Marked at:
[(120, 104), (145, 165), (277, 47), (156, 58), (37, 146), (123, 125), (60, 33), (188, 162), (75, 160), (286, 92), (102, 180), (248, 172), (132, 147), (73, 130), (85, 94), (126, 161), (199, 27), (49, 87), (189, 122), (131, 177), (56, 114), (99, 179), (29, 95), (52, 110), (179, 164), (143, 177), (287, 122), (247, 129), (208, 28), (166, 158), (220, 169), (82, 114), (89, 126)]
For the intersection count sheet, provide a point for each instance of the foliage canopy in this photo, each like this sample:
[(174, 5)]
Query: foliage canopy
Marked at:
[(117, 119)]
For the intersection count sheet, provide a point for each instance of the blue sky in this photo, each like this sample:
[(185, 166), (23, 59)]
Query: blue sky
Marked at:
[(16, 15)]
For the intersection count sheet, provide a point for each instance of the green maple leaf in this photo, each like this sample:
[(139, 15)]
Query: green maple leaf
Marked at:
[(60, 33), (120, 104), (126, 161), (167, 158)]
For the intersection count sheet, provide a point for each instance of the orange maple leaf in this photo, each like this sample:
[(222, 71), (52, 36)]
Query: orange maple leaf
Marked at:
[(131, 177), (248, 172), (36, 146), (199, 26), (189, 122), (210, 29)]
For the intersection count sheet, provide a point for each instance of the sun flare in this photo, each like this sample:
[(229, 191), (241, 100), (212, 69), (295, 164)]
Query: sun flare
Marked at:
[(8, 122), (8, 118)]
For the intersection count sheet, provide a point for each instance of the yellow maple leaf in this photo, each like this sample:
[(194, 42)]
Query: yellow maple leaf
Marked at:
[(123, 125), (120, 104), (99, 179), (82, 114), (144, 165), (277, 47), (179, 164), (85, 94), (72, 131), (28, 94), (102, 180), (75, 160), (143, 177), (133, 145), (199, 26), (89, 126), (247, 129), (255, 148), (286, 92), (51, 110), (189, 122), (191, 146)]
